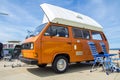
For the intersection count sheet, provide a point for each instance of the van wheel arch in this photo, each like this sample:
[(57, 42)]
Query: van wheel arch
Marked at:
[(62, 54), (60, 63)]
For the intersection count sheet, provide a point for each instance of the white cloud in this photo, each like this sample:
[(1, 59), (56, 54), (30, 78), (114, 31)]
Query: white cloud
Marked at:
[(14, 26), (97, 8), (11, 33), (17, 13), (113, 33)]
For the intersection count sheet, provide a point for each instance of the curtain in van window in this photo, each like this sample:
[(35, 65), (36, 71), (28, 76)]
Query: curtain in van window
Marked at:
[(86, 34), (58, 31), (77, 33)]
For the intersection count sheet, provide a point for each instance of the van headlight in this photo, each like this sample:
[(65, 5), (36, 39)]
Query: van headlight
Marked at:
[(31, 46)]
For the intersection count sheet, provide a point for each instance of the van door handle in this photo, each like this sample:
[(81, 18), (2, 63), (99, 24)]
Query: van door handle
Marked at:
[(69, 43)]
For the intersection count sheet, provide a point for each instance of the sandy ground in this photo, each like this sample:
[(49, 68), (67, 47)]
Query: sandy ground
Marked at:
[(75, 72)]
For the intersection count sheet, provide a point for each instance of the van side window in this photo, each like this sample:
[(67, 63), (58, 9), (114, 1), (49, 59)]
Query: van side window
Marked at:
[(96, 35), (80, 33), (86, 34), (77, 33), (58, 31)]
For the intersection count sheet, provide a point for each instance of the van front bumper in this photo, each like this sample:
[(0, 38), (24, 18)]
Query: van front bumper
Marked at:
[(29, 61)]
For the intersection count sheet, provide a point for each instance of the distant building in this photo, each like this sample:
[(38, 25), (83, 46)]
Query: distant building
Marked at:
[(11, 44)]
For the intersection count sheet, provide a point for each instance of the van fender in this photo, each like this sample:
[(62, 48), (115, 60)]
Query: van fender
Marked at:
[(61, 54)]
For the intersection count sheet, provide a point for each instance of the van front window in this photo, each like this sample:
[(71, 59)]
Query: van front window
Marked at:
[(36, 31), (58, 31)]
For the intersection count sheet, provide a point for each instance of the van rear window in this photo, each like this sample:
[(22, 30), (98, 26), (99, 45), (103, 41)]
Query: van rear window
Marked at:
[(96, 35)]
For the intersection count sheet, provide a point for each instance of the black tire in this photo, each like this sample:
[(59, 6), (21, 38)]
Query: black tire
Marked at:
[(55, 63), (42, 65)]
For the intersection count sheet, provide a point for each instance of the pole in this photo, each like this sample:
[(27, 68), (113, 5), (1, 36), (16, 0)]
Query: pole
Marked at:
[(3, 13)]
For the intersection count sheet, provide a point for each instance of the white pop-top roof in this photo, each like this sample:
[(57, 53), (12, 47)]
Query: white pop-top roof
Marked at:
[(60, 15)]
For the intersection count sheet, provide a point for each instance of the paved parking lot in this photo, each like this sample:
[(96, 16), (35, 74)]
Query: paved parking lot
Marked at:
[(75, 72)]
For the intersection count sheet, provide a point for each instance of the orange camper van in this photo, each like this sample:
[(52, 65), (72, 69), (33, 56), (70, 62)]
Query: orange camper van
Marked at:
[(62, 38)]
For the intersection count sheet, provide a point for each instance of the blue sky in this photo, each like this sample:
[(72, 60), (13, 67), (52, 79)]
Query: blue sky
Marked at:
[(26, 15)]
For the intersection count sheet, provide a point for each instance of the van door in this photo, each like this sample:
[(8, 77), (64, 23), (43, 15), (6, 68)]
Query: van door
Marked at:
[(80, 44), (55, 41)]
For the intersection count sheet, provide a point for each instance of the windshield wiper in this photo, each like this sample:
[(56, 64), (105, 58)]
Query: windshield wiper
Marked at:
[(32, 35)]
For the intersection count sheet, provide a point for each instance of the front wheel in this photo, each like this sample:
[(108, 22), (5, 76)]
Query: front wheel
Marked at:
[(60, 64)]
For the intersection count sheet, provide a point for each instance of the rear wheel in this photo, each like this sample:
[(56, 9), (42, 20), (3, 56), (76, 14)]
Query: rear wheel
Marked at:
[(60, 64)]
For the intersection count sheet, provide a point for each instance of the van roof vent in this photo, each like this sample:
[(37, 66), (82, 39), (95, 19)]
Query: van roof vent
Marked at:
[(79, 17)]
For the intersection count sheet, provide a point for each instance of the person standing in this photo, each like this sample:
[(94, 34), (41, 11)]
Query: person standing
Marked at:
[(1, 47), (119, 53)]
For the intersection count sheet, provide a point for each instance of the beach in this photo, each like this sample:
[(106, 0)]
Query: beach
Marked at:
[(79, 71)]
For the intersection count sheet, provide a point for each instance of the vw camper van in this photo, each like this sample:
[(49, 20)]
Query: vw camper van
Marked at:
[(62, 38)]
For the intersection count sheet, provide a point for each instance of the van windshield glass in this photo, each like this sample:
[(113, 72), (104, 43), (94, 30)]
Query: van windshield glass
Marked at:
[(38, 29)]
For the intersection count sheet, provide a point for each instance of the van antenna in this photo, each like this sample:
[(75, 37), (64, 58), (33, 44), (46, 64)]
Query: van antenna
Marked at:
[(45, 15)]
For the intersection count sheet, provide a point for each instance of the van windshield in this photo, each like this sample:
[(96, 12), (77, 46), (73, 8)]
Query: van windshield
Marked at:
[(36, 31)]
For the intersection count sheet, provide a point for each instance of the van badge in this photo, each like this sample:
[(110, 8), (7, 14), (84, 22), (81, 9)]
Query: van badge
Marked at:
[(78, 53)]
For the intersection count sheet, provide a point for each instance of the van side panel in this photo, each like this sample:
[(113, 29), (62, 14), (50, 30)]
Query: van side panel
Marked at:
[(80, 49), (77, 48), (80, 45), (52, 46)]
